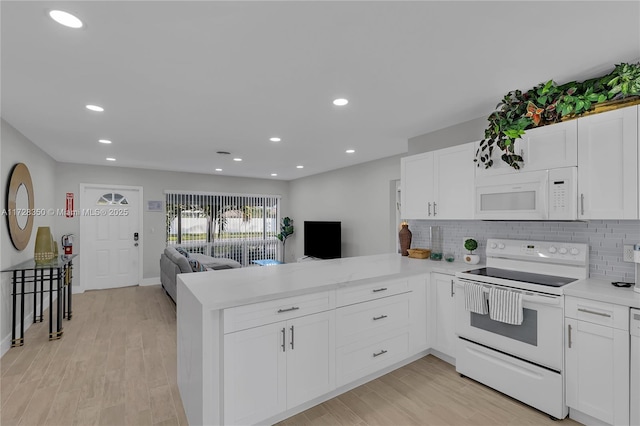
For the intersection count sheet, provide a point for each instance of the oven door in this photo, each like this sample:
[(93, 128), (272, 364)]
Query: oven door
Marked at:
[(539, 339)]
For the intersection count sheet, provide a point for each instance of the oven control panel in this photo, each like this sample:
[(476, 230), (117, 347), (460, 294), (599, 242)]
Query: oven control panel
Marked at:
[(562, 252)]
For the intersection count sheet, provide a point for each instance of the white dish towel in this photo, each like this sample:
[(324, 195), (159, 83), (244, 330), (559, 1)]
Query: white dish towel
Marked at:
[(505, 306), (475, 299)]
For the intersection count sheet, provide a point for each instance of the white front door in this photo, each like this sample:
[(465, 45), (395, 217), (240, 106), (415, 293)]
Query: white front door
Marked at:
[(110, 236)]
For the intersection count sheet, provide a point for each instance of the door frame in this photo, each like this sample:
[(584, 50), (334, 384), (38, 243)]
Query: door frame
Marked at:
[(83, 225)]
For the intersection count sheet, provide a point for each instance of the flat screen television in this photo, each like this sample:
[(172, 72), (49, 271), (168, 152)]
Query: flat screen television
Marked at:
[(322, 240)]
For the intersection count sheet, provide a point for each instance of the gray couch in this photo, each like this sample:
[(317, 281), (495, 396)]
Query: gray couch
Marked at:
[(172, 263)]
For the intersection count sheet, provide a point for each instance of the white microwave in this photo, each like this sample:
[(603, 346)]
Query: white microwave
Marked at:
[(536, 195)]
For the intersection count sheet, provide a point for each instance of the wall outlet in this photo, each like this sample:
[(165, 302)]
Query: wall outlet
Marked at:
[(628, 253)]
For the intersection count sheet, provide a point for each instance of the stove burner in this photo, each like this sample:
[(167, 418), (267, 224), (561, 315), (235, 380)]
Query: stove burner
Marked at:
[(526, 277)]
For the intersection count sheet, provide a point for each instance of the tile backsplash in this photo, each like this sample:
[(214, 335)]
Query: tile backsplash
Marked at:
[(606, 239)]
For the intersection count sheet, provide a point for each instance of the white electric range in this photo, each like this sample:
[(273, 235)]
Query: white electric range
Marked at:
[(524, 361)]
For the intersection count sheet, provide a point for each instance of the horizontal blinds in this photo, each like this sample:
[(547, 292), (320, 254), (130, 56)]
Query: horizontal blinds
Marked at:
[(242, 227)]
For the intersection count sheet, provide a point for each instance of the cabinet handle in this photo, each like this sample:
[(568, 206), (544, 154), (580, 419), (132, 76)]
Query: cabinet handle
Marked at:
[(293, 308), (429, 208), (434, 209), (452, 291), (291, 337), (586, 311), (382, 352), (375, 290), (569, 330), (581, 204), (379, 318), (283, 339)]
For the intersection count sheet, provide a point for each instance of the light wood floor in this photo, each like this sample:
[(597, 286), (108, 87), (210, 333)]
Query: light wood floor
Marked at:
[(116, 365)]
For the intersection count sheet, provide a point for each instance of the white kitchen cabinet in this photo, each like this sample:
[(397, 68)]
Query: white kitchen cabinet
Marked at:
[(597, 360), (535, 145), (608, 165), (442, 314), (417, 196), (274, 367), (439, 184), (454, 176)]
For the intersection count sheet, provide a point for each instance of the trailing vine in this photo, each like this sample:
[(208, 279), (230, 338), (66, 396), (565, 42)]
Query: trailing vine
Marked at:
[(549, 103)]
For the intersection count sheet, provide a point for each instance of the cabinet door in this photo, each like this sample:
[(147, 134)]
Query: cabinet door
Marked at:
[(454, 182), (561, 139), (597, 370), (254, 374), (607, 165), (417, 196), (444, 307), (310, 357)]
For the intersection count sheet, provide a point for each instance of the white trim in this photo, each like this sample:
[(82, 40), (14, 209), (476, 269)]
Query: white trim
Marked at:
[(225, 194), (83, 262), (150, 281)]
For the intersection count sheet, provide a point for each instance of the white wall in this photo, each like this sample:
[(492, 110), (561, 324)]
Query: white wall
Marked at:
[(359, 196), (154, 183), (16, 148), (467, 131)]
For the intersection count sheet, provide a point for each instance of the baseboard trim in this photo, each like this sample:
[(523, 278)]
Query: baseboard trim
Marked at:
[(150, 281), (5, 344)]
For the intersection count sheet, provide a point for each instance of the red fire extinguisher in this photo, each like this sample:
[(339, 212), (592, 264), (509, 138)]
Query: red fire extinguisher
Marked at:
[(67, 243)]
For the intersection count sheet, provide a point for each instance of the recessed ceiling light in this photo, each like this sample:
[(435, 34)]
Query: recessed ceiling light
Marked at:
[(350, 151), (340, 102), (110, 159), (275, 139), (237, 159), (106, 141), (65, 18), (299, 167), (95, 108), (218, 170), (274, 174)]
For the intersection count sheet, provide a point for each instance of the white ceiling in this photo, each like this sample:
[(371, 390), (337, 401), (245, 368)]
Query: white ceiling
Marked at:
[(181, 80)]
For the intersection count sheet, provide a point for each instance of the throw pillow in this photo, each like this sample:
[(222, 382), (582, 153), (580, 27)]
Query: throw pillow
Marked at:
[(196, 266), (182, 251)]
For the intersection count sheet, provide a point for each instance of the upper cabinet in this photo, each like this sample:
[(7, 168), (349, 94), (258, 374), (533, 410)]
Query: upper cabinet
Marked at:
[(546, 147), (439, 184), (608, 165)]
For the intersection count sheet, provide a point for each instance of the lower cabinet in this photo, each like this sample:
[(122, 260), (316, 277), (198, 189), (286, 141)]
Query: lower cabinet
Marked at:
[(442, 314), (597, 360), (273, 367)]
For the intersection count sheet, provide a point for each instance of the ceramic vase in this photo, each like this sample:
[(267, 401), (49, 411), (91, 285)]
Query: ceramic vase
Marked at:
[(44, 247), (405, 239)]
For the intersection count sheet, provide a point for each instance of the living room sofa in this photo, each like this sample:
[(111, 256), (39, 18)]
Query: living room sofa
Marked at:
[(172, 263)]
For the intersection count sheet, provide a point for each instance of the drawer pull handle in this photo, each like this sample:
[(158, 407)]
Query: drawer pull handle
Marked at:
[(587, 311), (375, 290), (379, 318), (382, 352), (293, 308)]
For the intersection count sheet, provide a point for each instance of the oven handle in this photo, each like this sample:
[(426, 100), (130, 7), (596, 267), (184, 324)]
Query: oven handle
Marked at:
[(526, 296)]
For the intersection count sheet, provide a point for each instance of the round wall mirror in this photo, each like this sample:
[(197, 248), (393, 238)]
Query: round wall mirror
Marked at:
[(20, 203)]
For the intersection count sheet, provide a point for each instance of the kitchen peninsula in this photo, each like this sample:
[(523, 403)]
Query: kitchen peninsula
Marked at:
[(258, 345)]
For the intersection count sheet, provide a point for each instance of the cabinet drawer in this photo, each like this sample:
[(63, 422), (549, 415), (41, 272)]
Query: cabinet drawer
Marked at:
[(256, 314), (370, 355), (596, 312), (355, 322), (362, 293)]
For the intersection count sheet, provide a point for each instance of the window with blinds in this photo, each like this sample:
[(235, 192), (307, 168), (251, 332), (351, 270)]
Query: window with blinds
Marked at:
[(241, 227)]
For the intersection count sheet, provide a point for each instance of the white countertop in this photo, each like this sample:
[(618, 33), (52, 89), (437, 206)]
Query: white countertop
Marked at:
[(602, 290), (234, 287)]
